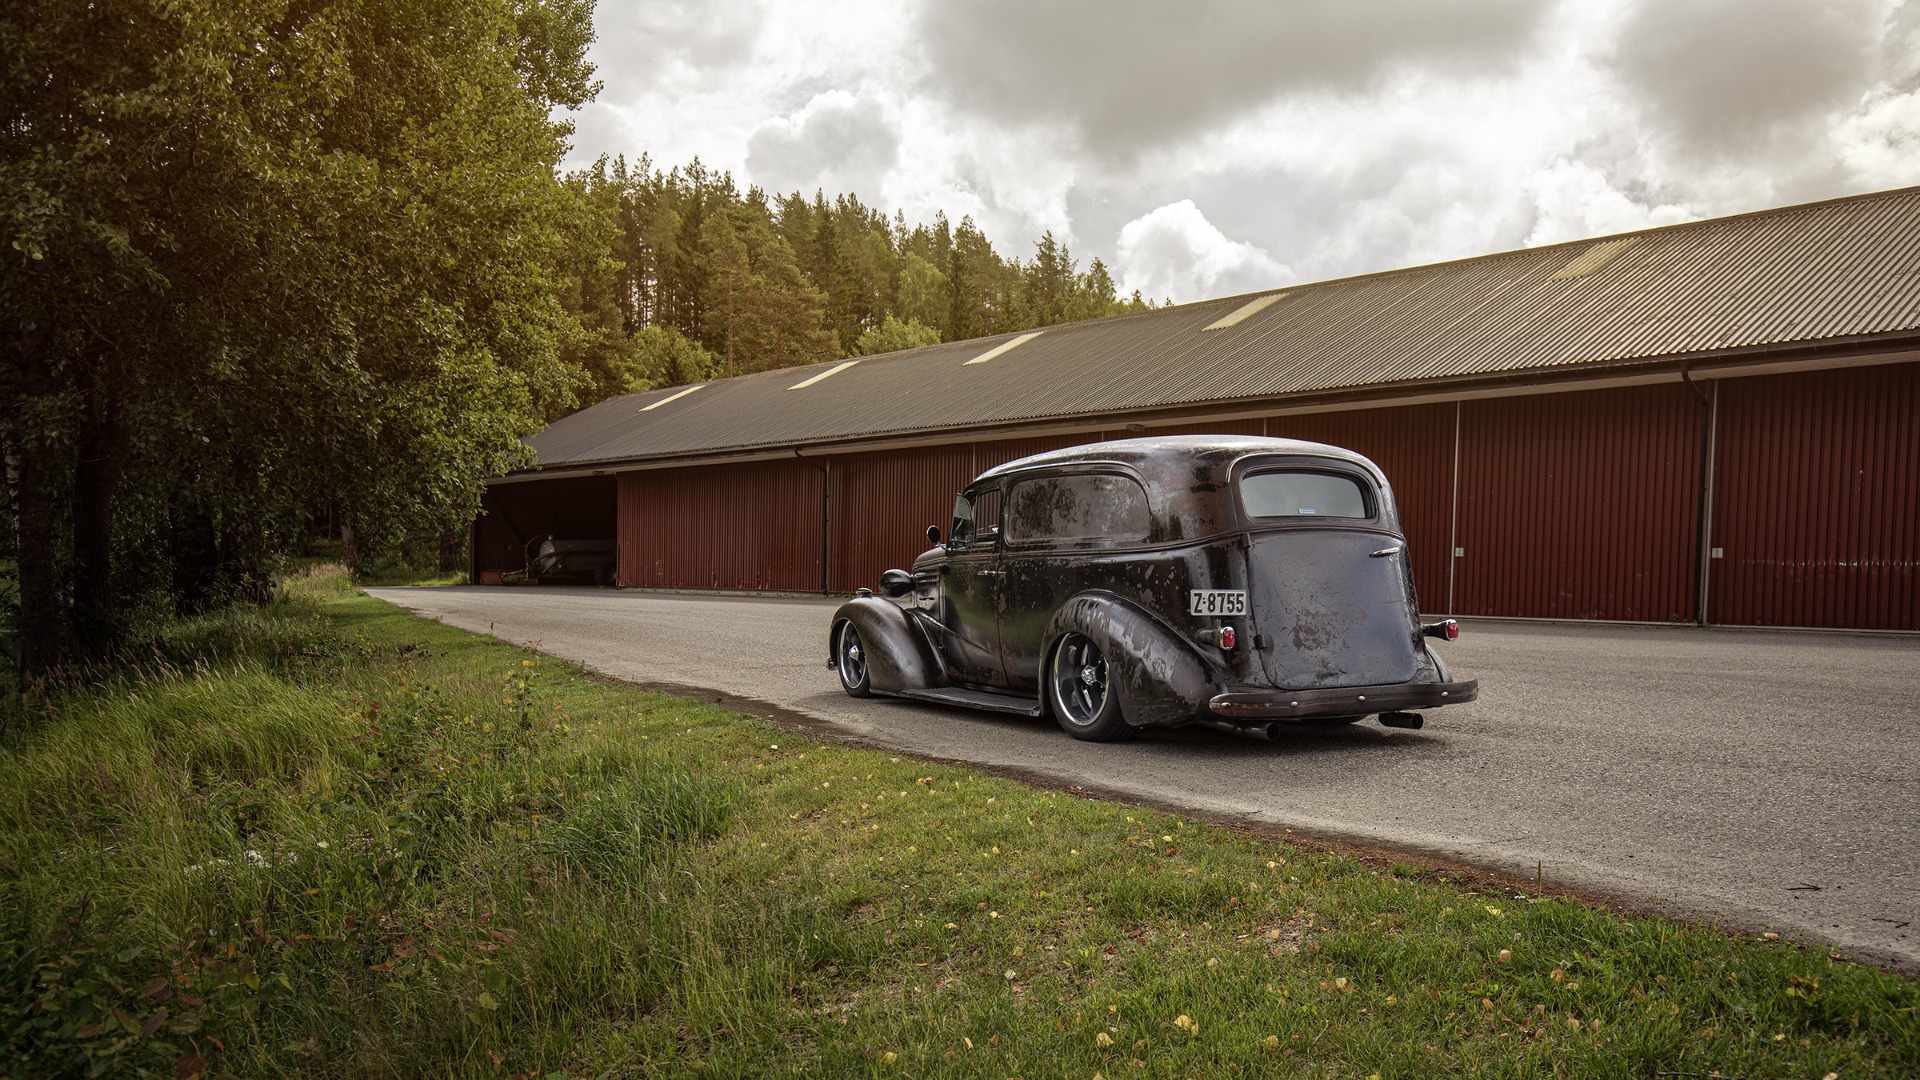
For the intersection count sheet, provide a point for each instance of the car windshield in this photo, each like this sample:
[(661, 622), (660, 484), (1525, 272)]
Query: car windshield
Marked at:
[(1300, 493)]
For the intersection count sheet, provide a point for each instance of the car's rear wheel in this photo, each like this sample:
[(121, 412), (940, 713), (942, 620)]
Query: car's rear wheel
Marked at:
[(850, 656), (1080, 694)]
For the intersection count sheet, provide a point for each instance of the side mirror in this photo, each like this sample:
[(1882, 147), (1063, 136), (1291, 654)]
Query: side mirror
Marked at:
[(896, 583), (933, 535)]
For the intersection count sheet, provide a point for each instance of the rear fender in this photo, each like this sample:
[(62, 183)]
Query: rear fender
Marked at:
[(900, 655), (1159, 679)]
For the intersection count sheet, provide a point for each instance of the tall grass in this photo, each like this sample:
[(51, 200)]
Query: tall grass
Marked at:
[(266, 846)]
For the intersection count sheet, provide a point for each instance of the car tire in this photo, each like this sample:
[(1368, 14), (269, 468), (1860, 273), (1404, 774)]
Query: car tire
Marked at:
[(850, 659), (1081, 696)]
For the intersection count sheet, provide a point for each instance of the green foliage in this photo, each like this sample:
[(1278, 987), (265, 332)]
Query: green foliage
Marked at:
[(272, 261), (662, 356), (894, 334), (760, 283)]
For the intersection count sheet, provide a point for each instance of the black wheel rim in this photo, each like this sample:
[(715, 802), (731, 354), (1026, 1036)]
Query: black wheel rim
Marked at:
[(1079, 680), (853, 657)]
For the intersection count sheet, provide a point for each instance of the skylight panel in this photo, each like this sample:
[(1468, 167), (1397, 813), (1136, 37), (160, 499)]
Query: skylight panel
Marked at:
[(1595, 257), (827, 374), (672, 397), (1244, 312), (1003, 347)]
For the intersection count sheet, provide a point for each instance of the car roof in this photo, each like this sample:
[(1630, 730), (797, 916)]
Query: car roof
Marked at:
[(1159, 455)]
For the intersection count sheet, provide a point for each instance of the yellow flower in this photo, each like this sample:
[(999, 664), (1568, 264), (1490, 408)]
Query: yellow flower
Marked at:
[(1101, 1038)]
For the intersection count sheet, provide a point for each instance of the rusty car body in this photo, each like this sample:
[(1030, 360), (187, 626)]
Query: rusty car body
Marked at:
[(1235, 581)]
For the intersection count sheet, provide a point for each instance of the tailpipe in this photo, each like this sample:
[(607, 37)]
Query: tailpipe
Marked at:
[(1264, 732), (1409, 720)]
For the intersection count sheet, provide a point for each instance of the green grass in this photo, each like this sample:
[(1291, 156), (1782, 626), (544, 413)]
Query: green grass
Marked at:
[(327, 838)]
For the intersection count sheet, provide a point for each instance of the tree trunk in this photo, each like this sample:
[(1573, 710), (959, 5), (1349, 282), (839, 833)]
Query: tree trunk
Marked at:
[(32, 467), (349, 551), (106, 443), (46, 633)]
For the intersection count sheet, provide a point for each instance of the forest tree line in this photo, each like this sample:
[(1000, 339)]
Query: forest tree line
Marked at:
[(700, 280), (285, 270)]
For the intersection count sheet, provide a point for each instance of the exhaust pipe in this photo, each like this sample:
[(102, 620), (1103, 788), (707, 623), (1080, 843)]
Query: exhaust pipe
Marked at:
[(1267, 731), (1409, 720)]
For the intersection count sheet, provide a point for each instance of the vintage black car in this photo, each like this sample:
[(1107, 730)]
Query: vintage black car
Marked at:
[(1232, 581)]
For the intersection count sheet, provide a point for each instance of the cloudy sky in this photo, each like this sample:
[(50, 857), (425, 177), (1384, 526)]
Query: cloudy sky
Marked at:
[(1211, 147)]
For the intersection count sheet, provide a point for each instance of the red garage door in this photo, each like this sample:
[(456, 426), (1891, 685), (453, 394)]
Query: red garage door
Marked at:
[(750, 526), (1580, 505), (882, 504), (1817, 500)]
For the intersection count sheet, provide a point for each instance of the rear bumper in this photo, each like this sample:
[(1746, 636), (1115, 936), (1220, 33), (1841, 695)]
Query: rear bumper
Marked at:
[(1342, 700)]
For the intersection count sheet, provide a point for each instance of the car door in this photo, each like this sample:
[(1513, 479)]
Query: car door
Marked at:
[(972, 590), (1062, 535)]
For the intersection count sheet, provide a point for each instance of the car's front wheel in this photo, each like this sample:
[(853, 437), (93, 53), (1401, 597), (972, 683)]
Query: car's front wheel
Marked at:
[(1080, 694), (850, 656)]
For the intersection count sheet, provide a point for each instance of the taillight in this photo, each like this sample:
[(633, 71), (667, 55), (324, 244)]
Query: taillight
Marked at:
[(1445, 628), (1226, 637)]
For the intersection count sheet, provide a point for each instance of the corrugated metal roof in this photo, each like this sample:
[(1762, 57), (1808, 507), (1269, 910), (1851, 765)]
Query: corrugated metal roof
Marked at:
[(1847, 268)]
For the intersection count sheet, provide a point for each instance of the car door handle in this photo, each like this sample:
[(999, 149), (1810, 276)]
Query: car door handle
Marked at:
[(1383, 553)]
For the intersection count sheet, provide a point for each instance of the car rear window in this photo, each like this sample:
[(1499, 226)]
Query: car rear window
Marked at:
[(1291, 493), (1088, 506)]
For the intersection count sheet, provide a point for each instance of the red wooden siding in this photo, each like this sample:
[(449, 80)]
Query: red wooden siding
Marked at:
[(1413, 445), (1580, 505), (748, 526), (1816, 489), (1203, 427), (883, 503)]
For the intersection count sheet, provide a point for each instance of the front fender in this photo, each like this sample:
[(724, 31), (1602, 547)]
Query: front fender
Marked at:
[(900, 655), (1159, 678)]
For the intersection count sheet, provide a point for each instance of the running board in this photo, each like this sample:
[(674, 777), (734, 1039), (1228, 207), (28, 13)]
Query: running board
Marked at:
[(973, 699)]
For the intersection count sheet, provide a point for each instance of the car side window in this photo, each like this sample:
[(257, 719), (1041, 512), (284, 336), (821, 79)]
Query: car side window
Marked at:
[(976, 517), (1087, 506), (1303, 493)]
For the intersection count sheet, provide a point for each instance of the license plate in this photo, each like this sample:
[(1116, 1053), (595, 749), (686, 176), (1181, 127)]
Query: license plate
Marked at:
[(1217, 602)]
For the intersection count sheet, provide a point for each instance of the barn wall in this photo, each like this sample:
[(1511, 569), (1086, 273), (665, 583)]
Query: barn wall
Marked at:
[(1580, 505), (1817, 500), (1577, 505), (883, 503), (750, 526)]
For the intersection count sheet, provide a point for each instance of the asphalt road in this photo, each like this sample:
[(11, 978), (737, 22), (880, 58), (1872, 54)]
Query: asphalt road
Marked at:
[(1764, 780)]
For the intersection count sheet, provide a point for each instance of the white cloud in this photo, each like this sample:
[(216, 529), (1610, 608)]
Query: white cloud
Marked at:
[(1174, 251), (1573, 201), (1324, 138), (837, 143), (1881, 142)]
